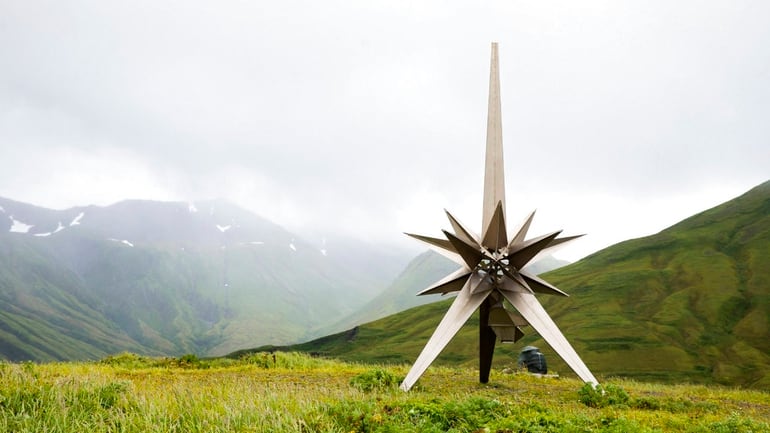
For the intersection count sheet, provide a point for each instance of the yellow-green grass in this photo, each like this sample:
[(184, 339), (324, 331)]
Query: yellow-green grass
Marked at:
[(296, 393)]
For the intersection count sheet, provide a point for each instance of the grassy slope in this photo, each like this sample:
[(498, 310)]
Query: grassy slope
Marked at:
[(183, 287), (300, 394), (691, 302), (688, 304), (73, 329)]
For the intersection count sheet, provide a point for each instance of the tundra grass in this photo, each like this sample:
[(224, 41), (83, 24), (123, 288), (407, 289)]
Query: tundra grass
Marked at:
[(295, 393)]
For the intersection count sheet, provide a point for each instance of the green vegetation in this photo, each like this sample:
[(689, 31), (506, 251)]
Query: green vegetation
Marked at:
[(377, 378), (296, 393), (177, 284)]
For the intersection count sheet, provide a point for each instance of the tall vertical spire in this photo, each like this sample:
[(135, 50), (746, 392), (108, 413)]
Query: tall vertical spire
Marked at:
[(493, 271), (494, 178)]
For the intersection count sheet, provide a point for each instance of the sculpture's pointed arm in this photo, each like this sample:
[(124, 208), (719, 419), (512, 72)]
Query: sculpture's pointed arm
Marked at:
[(451, 283), (496, 236), (461, 310), (521, 233), (529, 249), (534, 313), (515, 283), (441, 246), (436, 242), (555, 244), (471, 254), (561, 241), (461, 231), (541, 286)]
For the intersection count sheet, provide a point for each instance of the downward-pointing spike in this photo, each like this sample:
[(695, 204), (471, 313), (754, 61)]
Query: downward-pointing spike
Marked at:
[(459, 312), (533, 312)]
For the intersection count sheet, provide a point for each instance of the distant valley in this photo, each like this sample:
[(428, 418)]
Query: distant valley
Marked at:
[(170, 278)]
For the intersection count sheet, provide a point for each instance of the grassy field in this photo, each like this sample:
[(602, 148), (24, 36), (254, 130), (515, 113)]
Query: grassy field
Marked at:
[(296, 393)]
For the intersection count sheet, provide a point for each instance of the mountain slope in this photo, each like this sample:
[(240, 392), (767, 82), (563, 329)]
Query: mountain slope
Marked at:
[(164, 278), (71, 326), (689, 303), (692, 300)]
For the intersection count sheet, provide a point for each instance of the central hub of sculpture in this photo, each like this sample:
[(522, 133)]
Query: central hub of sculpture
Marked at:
[(494, 269)]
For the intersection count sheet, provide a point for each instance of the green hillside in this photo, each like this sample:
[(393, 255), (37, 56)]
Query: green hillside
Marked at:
[(165, 278), (72, 326), (690, 303)]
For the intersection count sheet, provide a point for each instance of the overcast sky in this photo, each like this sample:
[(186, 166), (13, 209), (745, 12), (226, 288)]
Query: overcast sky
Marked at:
[(368, 117)]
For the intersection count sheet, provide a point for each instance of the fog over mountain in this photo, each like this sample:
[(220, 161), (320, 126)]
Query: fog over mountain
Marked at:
[(368, 119), (168, 278)]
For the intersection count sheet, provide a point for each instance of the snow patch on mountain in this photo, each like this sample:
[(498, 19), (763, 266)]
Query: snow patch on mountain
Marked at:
[(257, 243), (223, 228), (19, 227), (323, 247), (2, 209), (58, 229), (291, 245), (76, 221), (122, 241), (191, 207)]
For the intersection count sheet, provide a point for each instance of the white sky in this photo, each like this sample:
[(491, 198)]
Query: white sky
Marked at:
[(368, 118)]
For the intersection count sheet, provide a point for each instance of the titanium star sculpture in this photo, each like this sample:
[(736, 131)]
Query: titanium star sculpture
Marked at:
[(493, 270)]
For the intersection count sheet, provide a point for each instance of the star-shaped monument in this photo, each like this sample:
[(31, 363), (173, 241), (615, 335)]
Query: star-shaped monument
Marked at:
[(493, 270)]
